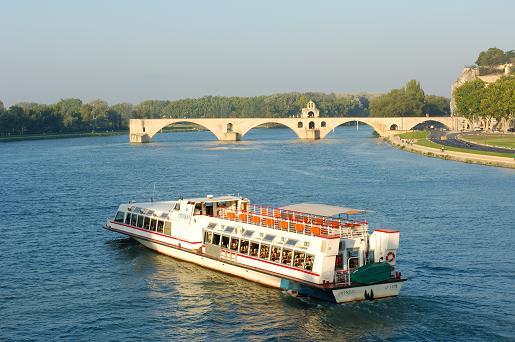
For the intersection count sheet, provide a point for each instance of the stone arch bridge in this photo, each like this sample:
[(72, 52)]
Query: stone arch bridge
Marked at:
[(233, 129)]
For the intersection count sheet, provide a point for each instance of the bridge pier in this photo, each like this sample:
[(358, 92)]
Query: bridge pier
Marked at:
[(231, 136), (139, 138), (309, 134)]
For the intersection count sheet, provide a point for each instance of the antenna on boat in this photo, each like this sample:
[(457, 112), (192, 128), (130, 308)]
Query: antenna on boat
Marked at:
[(153, 191)]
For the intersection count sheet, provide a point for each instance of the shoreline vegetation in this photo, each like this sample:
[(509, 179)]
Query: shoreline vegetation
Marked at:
[(177, 128)]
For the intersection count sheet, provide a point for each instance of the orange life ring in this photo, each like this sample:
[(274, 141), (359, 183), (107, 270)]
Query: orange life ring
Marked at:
[(390, 257)]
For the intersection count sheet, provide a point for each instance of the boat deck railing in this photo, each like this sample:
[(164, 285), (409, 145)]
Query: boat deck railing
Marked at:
[(297, 222)]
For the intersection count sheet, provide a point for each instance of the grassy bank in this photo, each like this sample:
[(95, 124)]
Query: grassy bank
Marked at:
[(498, 140), (421, 138)]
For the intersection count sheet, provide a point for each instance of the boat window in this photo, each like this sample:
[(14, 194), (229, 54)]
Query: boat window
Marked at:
[(211, 226), (164, 216), (146, 223), (216, 239), (225, 241), (254, 247), (140, 221), (198, 209), (128, 218), (234, 244), (168, 228), (353, 263), (286, 256), (276, 254), (153, 224), (160, 225), (244, 246), (228, 229), (371, 256), (291, 242), (299, 259), (119, 216), (310, 260), (208, 237), (352, 252), (248, 233), (264, 252), (150, 212), (177, 206), (269, 238), (136, 210)]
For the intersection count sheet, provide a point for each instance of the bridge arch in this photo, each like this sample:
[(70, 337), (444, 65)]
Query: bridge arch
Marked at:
[(331, 125), (429, 120), (294, 127), (156, 128)]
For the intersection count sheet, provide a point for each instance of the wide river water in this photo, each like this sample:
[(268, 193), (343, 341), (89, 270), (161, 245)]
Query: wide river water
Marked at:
[(64, 277)]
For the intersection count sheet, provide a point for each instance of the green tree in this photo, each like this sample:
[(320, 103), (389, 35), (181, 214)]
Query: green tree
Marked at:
[(44, 119), (150, 109), (2, 108), (492, 56), (69, 109), (13, 121), (86, 116), (498, 100), (406, 101), (468, 99), (98, 113), (437, 105), (125, 112)]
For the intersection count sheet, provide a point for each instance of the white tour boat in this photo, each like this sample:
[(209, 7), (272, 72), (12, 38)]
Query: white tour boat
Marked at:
[(313, 250)]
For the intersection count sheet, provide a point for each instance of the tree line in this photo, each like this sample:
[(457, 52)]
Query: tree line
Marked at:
[(72, 115), (482, 103), (409, 100)]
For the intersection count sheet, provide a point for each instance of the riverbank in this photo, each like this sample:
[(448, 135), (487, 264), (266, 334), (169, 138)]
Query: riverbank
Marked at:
[(12, 138), (449, 154), (60, 136)]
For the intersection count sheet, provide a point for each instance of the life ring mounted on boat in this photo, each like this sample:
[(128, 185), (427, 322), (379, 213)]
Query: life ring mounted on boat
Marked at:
[(390, 256)]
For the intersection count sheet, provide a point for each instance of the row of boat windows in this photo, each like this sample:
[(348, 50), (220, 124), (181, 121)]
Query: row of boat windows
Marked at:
[(278, 254), (145, 222)]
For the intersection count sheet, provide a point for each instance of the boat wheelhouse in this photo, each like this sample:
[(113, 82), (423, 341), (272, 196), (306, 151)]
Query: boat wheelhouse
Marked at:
[(314, 250)]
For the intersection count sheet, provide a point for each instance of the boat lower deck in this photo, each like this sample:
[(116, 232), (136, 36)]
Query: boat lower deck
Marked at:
[(338, 293)]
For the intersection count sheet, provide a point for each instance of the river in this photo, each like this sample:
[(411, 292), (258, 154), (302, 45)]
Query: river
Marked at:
[(64, 277)]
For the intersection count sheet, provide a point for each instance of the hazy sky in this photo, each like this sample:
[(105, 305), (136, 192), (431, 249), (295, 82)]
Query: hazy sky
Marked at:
[(136, 50)]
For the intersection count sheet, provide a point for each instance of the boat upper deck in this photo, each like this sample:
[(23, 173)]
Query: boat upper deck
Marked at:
[(309, 221)]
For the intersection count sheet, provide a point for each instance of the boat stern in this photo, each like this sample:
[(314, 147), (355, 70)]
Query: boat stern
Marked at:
[(368, 292)]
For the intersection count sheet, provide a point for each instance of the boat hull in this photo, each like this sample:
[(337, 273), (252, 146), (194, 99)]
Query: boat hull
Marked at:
[(340, 295)]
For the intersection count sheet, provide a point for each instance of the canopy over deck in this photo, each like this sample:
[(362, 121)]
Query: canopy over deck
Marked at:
[(322, 209)]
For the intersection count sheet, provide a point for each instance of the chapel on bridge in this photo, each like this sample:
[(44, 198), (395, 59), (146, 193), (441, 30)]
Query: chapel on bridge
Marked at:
[(310, 111)]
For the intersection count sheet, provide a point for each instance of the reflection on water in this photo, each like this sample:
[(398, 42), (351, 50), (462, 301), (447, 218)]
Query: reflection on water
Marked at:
[(64, 277)]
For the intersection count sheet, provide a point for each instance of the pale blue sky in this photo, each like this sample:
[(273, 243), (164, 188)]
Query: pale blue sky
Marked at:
[(136, 50)]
